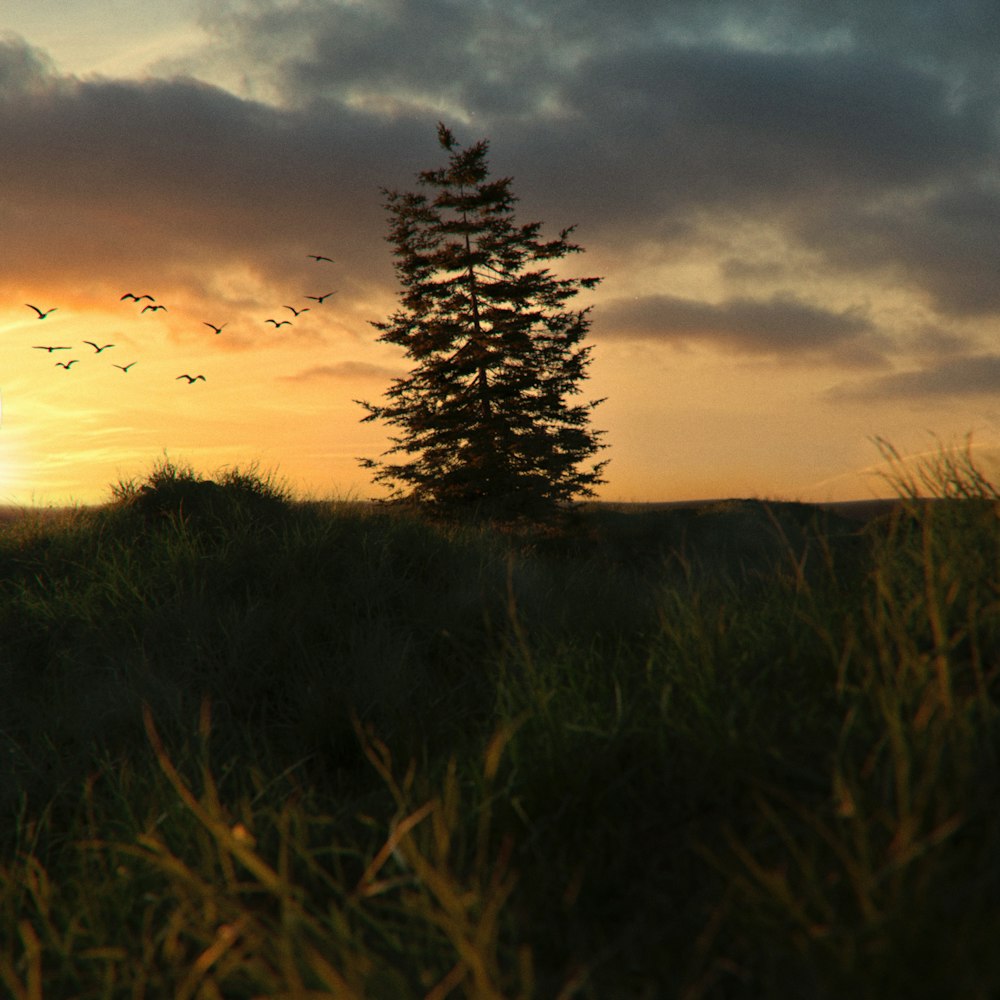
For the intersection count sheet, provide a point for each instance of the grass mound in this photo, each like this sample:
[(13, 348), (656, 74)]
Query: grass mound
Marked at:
[(177, 494)]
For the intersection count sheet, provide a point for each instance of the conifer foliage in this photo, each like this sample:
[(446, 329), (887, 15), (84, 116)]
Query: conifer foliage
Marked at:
[(484, 415)]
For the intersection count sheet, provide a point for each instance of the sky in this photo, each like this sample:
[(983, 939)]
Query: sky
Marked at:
[(794, 206)]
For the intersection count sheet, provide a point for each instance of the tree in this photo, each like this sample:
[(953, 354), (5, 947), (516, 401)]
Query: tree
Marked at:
[(485, 421)]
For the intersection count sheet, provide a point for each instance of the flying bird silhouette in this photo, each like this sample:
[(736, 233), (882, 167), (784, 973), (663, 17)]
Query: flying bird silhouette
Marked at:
[(320, 298), (153, 308), (125, 368), (318, 257), (284, 322), (136, 298), (298, 312), (217, 329), (192, 378), (96, 348), (66, 364), (45, 347), (41, 314)]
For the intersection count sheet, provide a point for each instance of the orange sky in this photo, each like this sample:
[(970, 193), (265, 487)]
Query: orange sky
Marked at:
[(798, 254)]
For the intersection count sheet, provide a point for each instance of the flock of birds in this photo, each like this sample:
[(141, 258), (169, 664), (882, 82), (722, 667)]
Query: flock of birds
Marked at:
[(153, 306)]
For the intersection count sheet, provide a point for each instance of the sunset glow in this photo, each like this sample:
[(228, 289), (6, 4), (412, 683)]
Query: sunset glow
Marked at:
[(796, 218)]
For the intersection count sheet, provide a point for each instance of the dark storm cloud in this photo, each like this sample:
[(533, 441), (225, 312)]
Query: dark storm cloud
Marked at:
[(645, 120), (728, 128), (23, 68), (945, 242), (783, 327), (864, 134), (957, 39), (177, 177), (955, 378), (476, 56), (629, 94)]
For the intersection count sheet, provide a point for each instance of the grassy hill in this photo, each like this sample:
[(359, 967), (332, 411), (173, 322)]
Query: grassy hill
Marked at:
[(253, 747)]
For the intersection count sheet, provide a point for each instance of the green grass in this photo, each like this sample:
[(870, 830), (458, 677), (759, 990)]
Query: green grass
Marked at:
[(255, 747)]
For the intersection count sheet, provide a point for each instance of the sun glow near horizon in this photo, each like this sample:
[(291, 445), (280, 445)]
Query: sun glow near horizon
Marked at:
[(269, 401), (67, 434), (690, 423), (282, 399)]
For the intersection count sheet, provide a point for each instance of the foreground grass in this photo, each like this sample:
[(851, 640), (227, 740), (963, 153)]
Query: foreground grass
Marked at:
[(255, 748)]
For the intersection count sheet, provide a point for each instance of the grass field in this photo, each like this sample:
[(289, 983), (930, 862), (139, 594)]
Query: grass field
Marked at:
[(257, 748)]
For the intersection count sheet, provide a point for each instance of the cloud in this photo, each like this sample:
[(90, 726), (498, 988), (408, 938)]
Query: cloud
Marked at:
[(172, 179), (782, 327), (936, 343), (964, 377), (343, 370), (943, 242), (745, 126), (24, 69), (474, 58), (859, 130), (864, 135)]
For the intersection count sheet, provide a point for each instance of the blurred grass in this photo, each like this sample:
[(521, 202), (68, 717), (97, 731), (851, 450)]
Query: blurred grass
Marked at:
[(255, 747)]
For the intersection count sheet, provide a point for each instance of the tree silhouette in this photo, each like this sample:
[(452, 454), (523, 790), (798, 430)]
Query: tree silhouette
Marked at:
[(484, 415)]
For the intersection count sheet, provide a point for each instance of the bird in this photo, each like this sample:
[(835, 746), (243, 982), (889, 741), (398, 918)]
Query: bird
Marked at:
[(298, 312), (96, 348), (318, 257), (320, 298), (217, 329), (284, 322), (45, 347), (153, 308), (66, 364), (136, 298), (125, 368), (41, 314), (192, 378)]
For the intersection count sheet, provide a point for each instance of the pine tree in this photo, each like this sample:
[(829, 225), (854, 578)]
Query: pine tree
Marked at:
[(484, 412)]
